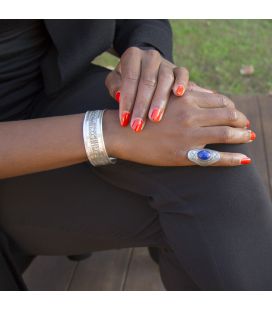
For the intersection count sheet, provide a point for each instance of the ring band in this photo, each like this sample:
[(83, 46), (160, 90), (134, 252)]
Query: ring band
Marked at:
[(203, 157)]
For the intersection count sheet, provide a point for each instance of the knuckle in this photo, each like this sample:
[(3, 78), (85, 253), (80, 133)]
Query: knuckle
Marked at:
[(187, 98), (228, 103), (224, 101), (152, 53), (232, 161), (227, 134), (131, 76), (232, 115), (132, 50), (149, 81), (187, 118), (167, 75), (185, 70)]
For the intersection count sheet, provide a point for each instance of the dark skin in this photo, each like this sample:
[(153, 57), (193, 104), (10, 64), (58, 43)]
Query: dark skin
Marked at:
[(142, 82), (190, 121)]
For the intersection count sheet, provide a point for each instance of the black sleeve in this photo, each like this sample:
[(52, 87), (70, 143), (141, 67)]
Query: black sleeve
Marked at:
[(144, 33)]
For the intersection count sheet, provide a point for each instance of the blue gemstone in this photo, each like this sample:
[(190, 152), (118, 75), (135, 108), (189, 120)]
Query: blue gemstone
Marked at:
[(204, 155)]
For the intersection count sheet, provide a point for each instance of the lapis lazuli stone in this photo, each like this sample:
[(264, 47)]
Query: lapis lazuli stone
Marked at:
[(204, 155)]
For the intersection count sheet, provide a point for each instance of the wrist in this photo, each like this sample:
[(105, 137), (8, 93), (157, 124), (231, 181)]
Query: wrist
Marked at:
[(112, 132)]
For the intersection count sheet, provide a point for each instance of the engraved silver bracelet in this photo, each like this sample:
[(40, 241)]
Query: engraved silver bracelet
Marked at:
[(93, 139)]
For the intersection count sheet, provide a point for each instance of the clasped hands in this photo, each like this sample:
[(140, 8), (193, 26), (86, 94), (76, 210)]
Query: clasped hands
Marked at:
[(159, 103)]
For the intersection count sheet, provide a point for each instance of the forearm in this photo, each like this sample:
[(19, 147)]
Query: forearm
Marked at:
[(47, 143), (40, 144)]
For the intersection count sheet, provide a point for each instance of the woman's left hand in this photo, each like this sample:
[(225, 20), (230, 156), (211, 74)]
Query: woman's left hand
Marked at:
[(142, 83)]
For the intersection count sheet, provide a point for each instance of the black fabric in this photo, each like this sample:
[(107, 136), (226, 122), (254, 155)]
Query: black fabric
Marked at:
[(156, 33), (10, 274), (76, 42), (68, 47), (22, 44), (212, 232)]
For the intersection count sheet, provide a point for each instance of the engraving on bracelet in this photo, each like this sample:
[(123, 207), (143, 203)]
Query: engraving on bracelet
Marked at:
[(93, 139)]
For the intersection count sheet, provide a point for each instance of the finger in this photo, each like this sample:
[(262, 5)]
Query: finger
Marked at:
[(131, 70), (162, 93), (224, 134), (226, 160), (232, 159), (221, 117), (194, 87), (146, 88), (207, 100), (113, 84), (181, 81)]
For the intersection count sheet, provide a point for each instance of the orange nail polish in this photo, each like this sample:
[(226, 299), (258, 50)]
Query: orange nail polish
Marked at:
[(180, 90), (117, 96), (156, 115), (137, 124), (252, 136), (125, 119), (245, 161)]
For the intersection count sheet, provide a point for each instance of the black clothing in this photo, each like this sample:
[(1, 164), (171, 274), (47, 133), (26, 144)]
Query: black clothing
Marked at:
[(77, 42), (213, 234), (22, 44), (68, 47)]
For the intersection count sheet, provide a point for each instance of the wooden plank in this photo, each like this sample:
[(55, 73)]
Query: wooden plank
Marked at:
[(265, 104), (143, 273), (249, 106), (49, 273), (103, 271)]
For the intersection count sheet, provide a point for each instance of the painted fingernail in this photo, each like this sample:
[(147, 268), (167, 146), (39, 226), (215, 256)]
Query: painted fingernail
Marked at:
[(180, 90), (117, 96), (245, 161), (137, 125), (156, 115), (125, 119), (252, 135)]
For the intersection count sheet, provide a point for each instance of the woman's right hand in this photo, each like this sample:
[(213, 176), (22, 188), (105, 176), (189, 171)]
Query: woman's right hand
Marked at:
[(191, 121)]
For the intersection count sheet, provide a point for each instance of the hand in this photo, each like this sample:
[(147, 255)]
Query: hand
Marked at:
[(191, 121), (142, 83)]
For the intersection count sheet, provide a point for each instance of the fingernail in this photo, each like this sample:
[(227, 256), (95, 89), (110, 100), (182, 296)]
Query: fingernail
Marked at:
[(156, 115), (247, 124), (180, 90), (117, 96), (137, 125), (245, 161), (125, 119), (252, 135)]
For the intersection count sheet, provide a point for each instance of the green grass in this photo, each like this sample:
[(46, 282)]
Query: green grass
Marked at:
[(215, 50)]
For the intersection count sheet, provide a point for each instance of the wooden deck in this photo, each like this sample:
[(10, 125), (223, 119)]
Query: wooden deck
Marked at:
[(133, 269)]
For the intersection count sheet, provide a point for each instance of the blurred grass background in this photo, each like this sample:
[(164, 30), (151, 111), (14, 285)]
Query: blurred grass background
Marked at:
[(215, 50)]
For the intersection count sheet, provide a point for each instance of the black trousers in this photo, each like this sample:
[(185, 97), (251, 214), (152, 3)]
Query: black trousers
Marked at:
[(213, 225)]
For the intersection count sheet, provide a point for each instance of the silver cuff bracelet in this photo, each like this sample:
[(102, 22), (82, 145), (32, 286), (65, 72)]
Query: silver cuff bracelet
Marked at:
[(93, 139)]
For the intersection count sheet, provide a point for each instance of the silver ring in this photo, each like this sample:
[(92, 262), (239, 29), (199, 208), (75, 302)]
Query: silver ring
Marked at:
[(203, 157)]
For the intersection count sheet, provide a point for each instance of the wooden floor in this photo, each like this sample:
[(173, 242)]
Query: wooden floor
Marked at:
[(133, 269)]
